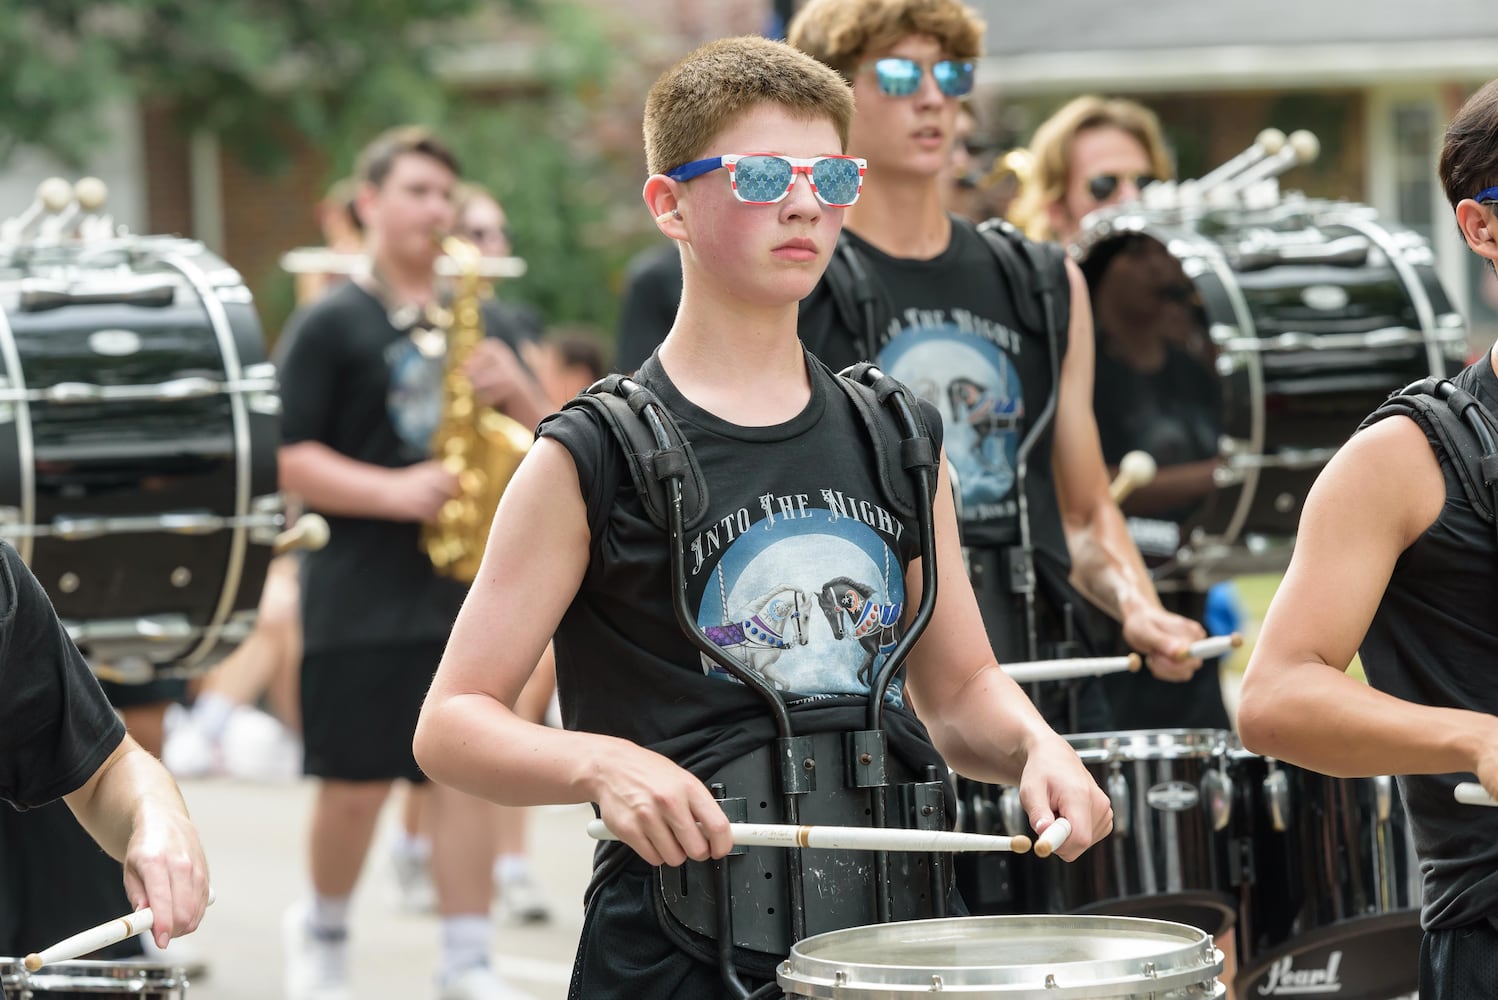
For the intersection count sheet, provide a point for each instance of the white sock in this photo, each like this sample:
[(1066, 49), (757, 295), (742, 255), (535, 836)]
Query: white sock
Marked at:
[(465, 943), (510, 867), (210, 713), (412, 845), (328, 918)]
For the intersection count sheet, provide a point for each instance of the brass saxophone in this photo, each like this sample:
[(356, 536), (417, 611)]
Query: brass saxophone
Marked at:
[(477, 444)]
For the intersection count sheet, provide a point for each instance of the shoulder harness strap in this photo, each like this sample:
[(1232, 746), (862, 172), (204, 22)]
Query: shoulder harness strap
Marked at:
[(872, 394), (1466, 429), (1030, 267), (620, 400)]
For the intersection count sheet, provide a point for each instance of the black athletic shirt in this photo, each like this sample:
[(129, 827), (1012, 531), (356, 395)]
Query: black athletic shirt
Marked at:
[(353, 382), (56, 727), (1433, 641)]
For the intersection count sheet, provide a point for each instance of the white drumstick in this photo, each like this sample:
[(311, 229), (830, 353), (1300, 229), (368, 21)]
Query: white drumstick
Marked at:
[(1470, 793), (852, 838), (91, 940), (1060, 670), (1135, 469), (1211, 647), (1055, 835), (310, 532)]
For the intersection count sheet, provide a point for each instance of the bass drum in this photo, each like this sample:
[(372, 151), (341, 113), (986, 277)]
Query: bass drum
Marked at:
[(138, 429), (1240, 349)]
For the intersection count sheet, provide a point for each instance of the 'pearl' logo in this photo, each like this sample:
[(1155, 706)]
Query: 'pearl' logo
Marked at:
[(1285, 980)]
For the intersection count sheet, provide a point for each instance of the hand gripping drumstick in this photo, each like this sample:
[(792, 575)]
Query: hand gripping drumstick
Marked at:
[(1210, 647), (1135, 469), (1060, 670), (310, 532), (106, 934), (851, 838), (1470, 793), (1055, 835)]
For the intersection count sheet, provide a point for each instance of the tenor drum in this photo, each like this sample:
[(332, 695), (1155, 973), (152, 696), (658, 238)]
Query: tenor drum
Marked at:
[(145, 981), (1334, 895), (1241, 348), (1023, 958), (138, 428)]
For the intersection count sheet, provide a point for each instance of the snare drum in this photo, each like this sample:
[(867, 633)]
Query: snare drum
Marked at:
[(138, 428), (1022, 958), (1255, 341), (142, 980), (1335, 890)]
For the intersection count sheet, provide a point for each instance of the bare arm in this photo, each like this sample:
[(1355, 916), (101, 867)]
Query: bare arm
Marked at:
[(1106, 566), (469, 736), (133, 809), (981, 721), (331, 482), (1374, 499)]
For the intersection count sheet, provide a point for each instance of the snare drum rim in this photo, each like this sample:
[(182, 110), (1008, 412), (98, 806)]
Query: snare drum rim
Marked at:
[(92, 976), (1151, 744), (810, 971)]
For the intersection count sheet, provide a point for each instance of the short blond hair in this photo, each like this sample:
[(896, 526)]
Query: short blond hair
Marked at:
[(840, 33), (1052, 145), (717, 83)]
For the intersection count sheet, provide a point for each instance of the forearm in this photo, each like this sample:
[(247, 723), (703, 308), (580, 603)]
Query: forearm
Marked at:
[(1316, 716), (527, 405), (1174, 487), (473, 743), (988, 728), (333, 483), (130, 791), (1106, 565)]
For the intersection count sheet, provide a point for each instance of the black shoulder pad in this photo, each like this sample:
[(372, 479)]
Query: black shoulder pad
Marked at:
[(621, 401), (1447, 410), (1028, 266), (898, 452)]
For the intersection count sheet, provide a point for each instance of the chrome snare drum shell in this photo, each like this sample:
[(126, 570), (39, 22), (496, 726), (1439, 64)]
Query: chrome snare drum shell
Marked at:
[(142, 980), (1017, 957)]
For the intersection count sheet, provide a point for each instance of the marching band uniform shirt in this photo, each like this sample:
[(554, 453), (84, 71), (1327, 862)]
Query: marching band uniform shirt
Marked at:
[(351, 381), (1432, 642), (56, 727), (796, 569)]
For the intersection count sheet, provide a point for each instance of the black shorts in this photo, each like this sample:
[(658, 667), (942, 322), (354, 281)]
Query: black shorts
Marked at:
[(1460, 963), (359, 710)]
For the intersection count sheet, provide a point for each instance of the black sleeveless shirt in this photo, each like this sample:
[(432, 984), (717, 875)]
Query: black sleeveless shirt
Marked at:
[(1434, 641)]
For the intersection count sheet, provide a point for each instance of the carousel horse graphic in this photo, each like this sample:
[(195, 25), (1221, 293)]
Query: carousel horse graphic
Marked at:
[(850, 607), (990, 417), (763, 632)]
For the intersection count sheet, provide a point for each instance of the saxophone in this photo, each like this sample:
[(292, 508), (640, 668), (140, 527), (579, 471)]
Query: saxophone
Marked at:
[(477, 444)]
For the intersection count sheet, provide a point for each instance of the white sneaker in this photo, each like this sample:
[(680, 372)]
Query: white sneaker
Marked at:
[(256, 747), (479, 983), (316, 968), (186, 750), (416, 893), (521, 900)]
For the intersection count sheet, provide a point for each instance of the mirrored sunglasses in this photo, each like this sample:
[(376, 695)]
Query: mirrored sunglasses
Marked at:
[(900, 77), (1104, 186), (766, 178)]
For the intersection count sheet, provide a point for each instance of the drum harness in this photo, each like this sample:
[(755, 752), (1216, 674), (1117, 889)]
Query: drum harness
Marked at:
[(1030, 269), (672, 490)]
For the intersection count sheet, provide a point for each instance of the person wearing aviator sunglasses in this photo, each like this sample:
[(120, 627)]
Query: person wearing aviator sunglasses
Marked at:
[(1396, 560), (1092, 153)]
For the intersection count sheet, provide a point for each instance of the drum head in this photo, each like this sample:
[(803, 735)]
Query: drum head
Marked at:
[(1037, 957)]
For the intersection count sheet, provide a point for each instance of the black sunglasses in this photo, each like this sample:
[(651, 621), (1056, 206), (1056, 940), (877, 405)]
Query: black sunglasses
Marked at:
[(1103, 186)]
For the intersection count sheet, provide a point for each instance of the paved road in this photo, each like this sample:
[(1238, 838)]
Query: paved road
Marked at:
[(256, 839)]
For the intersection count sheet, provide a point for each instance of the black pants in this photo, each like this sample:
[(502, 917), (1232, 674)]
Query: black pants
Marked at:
[(1460, 963)]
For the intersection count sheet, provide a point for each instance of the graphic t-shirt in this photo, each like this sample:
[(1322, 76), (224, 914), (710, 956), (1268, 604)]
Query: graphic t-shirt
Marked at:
[(795, 571), (354, 382)]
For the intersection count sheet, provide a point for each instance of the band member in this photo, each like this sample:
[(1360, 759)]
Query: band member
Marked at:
[(782, 450), (1395, 554), (361, 396), (59, 738), (947, 324), (1155, 387)]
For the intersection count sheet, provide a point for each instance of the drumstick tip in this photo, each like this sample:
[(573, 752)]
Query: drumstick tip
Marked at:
[(1135, 662), (1020, 844), (32, 962)]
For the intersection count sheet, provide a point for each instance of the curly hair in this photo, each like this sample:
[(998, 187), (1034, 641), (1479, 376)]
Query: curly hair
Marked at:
[(840, 33)]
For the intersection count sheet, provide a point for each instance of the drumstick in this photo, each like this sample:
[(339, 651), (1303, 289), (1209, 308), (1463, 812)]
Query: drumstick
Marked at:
[(1210, 647), (310, 532), (1055, 835), (1060, 670), (1470, 793), (108, 933), (1135, 469), (851, 838)]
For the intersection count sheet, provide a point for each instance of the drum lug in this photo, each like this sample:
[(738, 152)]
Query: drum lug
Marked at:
[(1241, 861), (1277, 798), (1012, 813), (1217, 789), (1383, 791), (1118, 797)]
